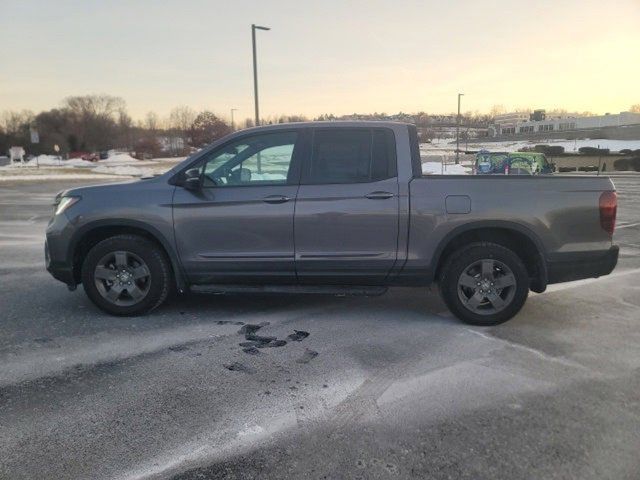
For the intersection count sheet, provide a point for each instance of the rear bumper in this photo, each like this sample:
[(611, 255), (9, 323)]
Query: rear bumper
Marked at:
[(576, 266)]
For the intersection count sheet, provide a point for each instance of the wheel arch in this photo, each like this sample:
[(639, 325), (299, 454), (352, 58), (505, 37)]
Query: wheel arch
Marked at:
[(522, 240), (93, 233)]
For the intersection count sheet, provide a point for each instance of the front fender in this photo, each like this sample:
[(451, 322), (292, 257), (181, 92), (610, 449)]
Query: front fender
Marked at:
[(133, 225)]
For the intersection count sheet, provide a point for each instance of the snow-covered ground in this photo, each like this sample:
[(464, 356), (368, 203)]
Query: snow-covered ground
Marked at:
[(440, 168), (49, 167), (449, 145)]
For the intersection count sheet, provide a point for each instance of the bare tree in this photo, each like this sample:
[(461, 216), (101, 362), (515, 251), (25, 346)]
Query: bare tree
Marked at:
[(497, 110), (151, 122), (125, 130), (635, 108), (181, 118), (12, 122), (102, 106), (92, 124)]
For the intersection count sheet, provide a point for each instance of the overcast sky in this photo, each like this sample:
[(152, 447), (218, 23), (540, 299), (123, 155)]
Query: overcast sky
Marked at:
[(322, 56)]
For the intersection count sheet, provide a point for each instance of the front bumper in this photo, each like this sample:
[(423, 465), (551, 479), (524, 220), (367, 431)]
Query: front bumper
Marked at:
[(56, 250), (577, 266), (58, 270)]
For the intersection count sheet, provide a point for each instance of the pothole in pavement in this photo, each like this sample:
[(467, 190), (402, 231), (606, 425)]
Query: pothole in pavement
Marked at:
[(298, 336), (239, 367), (255, 343), (307, 356)]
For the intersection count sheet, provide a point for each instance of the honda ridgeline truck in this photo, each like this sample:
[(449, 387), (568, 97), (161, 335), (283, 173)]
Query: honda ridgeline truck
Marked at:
[(330, 207)]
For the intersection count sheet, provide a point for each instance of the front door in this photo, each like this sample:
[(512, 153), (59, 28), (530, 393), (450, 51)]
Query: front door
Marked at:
[(347, 209), (238, 227)]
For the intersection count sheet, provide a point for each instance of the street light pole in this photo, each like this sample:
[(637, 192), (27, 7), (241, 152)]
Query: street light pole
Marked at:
[(458, 131), (255, 68), (233, 125)]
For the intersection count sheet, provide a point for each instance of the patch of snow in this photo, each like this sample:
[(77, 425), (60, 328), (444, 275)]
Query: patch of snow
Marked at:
[(437, 168), (52, 176), (268, 176), (251, 430), (128, 170), (514, 145), (51, 167), (53, 161), (120, 159), (169, 159)]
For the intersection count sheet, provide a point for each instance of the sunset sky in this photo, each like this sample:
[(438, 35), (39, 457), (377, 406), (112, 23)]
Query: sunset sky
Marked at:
[(323, 56)]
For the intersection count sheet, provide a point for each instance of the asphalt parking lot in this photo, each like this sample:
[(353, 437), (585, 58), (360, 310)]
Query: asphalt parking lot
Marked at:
[(383, 387)]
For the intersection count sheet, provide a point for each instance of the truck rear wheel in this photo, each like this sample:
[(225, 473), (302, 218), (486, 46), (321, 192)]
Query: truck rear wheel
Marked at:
[(484, 284), (126, 275)]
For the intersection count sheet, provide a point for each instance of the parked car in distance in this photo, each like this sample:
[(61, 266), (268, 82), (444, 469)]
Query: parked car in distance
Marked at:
[(330, 207), (516, 163), (88, 156)]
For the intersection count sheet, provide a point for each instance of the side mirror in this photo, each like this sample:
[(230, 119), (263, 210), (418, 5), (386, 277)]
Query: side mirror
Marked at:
[(192, 179)]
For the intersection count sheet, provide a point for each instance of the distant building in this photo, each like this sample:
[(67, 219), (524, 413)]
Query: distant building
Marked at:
[(510, 118), (538, 115), (510, 124), (505, 123)]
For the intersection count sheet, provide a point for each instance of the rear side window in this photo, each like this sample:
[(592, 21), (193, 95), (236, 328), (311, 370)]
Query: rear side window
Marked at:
[(355, 155)]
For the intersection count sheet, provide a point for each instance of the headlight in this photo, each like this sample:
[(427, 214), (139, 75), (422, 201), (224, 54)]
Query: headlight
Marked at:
[(64, 203)]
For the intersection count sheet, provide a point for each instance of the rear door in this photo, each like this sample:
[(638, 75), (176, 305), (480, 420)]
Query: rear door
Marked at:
[(346, 216)]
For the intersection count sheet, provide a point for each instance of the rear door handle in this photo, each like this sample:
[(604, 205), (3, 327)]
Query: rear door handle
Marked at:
[(379, 195), (276, 199)]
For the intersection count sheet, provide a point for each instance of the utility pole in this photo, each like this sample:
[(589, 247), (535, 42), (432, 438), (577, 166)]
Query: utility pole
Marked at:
[(255, 69), (458, 131), (233, 125)]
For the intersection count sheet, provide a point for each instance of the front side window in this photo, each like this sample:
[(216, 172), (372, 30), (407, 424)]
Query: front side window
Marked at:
[(355, 155), (256, 160)]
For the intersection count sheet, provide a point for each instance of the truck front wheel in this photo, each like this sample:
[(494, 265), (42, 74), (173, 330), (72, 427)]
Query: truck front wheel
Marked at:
[(126, 275), (484, 283)]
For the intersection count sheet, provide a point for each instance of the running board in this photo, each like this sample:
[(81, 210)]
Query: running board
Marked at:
[(351, 290)]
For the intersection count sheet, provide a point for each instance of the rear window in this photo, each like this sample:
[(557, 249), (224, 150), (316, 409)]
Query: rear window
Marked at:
[(354, 155)]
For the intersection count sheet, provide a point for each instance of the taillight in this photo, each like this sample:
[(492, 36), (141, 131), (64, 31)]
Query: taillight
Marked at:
[(608, 209)]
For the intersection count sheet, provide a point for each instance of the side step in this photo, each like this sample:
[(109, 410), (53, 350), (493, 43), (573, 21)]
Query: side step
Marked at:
[(351, 290)]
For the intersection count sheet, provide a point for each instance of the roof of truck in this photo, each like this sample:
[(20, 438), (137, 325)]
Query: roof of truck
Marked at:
[(332, 124)]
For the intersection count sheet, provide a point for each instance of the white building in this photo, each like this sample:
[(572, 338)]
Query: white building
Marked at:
[(505, 123), (560, 124), (510, 118)]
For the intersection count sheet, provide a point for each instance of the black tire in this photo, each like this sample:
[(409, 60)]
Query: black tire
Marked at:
[(510, 298), (157, 280)]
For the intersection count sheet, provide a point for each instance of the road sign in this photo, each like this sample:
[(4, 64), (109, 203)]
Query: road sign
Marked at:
[(35, 138), (16, 154)]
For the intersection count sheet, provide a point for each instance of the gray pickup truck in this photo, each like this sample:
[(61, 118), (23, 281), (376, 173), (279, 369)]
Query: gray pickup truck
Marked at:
[(330, 207)]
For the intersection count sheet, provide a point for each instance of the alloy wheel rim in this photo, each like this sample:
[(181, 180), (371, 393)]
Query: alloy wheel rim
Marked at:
[(122, 278), (486, 286)]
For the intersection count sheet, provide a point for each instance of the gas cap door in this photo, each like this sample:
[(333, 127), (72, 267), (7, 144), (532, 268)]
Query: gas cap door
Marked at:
[(458, 204)]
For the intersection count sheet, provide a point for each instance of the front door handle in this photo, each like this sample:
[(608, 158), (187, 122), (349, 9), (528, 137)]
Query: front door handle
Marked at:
[(379, 195), (276, 199)]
